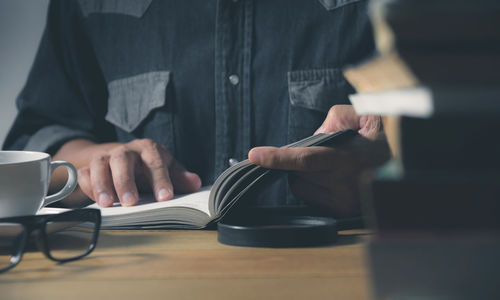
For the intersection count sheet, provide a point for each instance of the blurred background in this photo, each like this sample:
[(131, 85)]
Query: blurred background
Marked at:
[(21, 26)]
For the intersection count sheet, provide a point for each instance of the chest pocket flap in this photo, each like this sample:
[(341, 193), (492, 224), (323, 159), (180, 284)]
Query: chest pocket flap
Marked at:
[(317, 89), (132, 99), (332, 4), (134, 8)]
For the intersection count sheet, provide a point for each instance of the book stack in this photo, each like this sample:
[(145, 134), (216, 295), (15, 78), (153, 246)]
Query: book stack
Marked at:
[(436, 205)]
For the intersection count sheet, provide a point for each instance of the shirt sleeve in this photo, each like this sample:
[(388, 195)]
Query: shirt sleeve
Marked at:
[(65, 95)]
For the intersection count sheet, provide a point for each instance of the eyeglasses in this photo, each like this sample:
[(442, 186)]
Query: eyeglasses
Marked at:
[(61, 237)]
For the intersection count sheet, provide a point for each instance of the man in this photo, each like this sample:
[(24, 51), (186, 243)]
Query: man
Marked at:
[(135, 93)]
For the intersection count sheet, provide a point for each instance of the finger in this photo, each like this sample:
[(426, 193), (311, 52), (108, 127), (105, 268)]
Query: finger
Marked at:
[(183, 180), (123, 163), (370, 126), (156, 161), (101, 181), (294, 159), (339, 117), (84, 182)]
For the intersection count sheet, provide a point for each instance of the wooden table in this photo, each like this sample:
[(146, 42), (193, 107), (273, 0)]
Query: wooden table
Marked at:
[(193, 265)]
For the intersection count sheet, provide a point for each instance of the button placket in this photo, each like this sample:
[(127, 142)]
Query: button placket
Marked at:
[(233, 64)]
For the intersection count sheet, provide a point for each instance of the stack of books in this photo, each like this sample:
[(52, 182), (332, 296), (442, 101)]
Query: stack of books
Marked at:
[(436, 205), (436, 81)]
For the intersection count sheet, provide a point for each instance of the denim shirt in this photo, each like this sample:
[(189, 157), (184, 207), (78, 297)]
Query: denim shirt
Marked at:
[(209, 79)]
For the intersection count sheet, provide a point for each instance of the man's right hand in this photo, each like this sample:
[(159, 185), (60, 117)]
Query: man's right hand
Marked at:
[(114, 171)]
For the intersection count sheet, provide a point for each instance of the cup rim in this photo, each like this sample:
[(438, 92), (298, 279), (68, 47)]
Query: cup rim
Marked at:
[(41, 156)]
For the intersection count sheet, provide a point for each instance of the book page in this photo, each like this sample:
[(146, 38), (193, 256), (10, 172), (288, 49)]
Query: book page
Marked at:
[(414, 102), (147, 203), (198, 201)]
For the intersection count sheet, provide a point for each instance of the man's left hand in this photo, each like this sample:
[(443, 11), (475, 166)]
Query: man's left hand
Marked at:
[(329, 177)]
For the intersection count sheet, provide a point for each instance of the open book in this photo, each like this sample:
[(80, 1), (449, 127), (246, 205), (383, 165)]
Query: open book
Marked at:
[(199, 210)]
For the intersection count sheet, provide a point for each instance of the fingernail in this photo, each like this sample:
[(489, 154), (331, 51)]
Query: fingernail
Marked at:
[(105, 200), (255, 156), (163, 195), (128, 199)]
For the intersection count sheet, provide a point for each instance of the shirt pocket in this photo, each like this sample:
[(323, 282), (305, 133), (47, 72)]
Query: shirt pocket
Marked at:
[(333, 4), (134, 8), (312, 93), (137, 106)]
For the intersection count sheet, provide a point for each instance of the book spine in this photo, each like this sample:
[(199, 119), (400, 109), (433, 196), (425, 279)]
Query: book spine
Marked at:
[(401, 201)]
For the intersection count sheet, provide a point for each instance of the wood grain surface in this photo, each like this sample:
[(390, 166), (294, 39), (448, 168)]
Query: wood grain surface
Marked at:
[(193, 265)]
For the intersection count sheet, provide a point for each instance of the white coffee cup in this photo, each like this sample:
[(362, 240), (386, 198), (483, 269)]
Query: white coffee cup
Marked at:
[(24, 182)]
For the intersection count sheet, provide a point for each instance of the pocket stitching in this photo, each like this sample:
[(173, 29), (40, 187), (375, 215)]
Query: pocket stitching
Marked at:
[(333, 4)]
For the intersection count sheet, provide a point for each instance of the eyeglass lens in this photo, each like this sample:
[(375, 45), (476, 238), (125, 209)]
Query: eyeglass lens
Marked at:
[(69, 239), (11, 240)]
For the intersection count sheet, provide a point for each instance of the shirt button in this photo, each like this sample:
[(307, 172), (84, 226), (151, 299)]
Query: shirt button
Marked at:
[(234, 79), (233, 161)]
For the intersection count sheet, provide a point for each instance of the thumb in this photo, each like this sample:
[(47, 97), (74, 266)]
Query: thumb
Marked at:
[(340, 117), (183, 180)]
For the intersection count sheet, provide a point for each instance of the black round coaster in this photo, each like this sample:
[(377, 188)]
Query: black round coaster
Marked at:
[(279, 232)]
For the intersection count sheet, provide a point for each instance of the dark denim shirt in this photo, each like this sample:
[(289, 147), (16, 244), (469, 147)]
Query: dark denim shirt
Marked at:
[(209, 79)]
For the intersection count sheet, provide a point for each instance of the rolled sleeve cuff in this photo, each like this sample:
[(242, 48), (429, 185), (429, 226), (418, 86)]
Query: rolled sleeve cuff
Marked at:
[(50, 138)]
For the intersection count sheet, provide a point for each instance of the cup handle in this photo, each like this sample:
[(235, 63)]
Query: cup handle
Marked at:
[(70, 185)]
